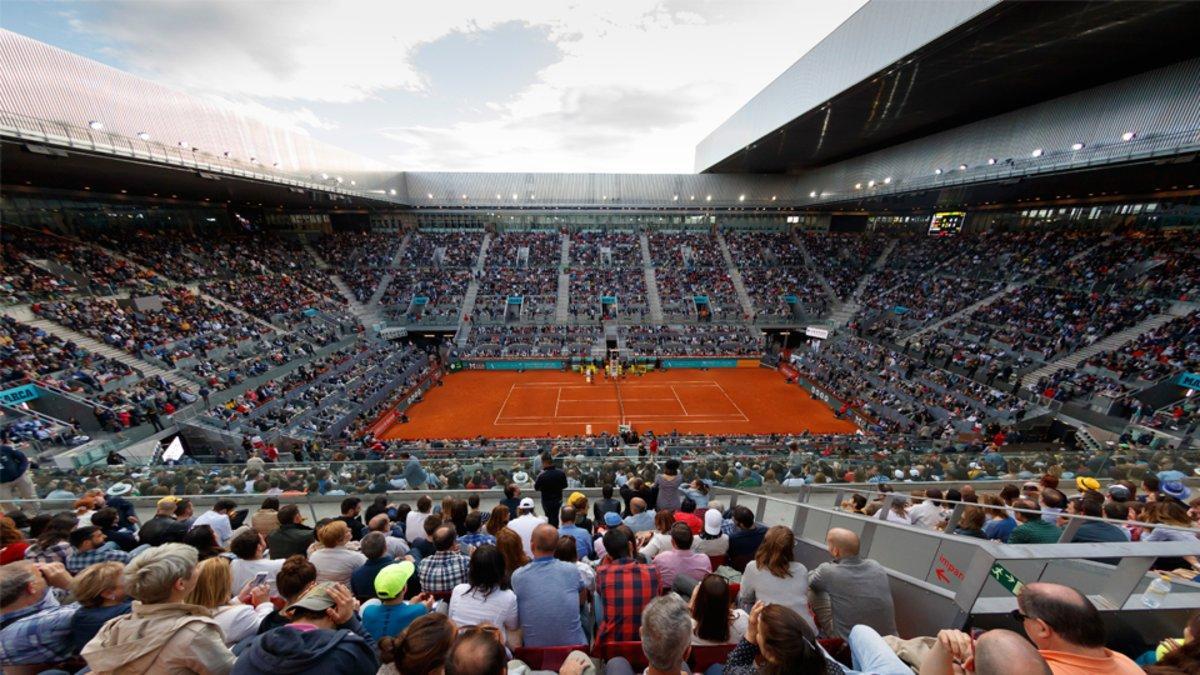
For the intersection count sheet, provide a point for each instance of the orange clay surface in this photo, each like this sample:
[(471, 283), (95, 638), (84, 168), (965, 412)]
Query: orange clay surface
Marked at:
[(503, 404)]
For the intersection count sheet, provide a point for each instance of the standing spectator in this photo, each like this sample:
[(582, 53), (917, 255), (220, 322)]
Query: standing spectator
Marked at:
[(485, 598), (525, 523), (351, 507), (624, 587), (293, 537), (162, 633), (548, 595), (362, 580), (15, 482), (681, 560), (583, 538), (550, 484), (249, 547), (36, 628), (668, 484), (392, 615), (851, 590), (416, 477), (325, 637), (446, 568), (775, 577), (91, 547), (163, 527), (100, 592), (335, 561), (218, 519)]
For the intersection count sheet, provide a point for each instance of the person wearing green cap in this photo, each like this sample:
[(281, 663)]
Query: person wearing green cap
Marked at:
[(391, 614)]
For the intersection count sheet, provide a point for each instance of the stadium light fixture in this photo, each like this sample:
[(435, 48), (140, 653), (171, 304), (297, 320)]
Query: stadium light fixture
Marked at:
[(813, 194), (96, 124), (143, 135), (351, 182), (464, 196), (937, 172), (887, 181), (708, 198), (741, 198), (498, 197), (392, 192), (692, 198), (675, 198), (962, 167), (871, 183), (514, 196), (1077, 146), (429, 195), (991, 161), (858, 186), (336, 178), (1037, 152), (324, 176), (1128, 136)]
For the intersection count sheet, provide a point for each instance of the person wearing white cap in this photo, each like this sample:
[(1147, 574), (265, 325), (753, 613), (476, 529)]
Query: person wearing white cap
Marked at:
[(711, 540), (525, 523)]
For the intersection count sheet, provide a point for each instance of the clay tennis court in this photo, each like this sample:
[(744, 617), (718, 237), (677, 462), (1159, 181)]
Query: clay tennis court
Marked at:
[(500, 404)]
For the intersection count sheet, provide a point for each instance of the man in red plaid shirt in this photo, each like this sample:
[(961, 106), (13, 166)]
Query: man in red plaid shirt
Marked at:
[(625, 588)]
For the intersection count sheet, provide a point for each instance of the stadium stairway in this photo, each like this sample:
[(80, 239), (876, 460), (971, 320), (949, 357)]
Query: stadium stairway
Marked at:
[(95, 346), (735, 276), (965, 311), (398, 259), (367, 315), (653, 300), (564, 258), (1111, 342), (562, 307), (308, 247), (386, 279), (812, 269), (882, 259)]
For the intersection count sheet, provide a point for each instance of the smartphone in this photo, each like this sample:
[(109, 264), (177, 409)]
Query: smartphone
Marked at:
[(259, 579)]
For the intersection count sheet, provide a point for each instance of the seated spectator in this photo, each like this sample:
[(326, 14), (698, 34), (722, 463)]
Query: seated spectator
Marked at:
[(163, 527), (391, 614), (362, 580), (351, 507), (204, 540), (1068, 632), (1031, 527), (238, 617), (218, 518), (335, 561), (714, 619), (414, 523), (421, 648), (162, 632), (266, 519), (1091, 531), (566, 551), (606, 503), (424, 547), (36, 627), (477, 650), (774, 576), (91, 548), (639, 519), (778, 640), (396, 547), (970, 523), (851, 590), (12, 541), (712, 541), (548, 594), (100, 592), (474, 538), (53, 543), (681, 560), (567, 527), (324, 636), (485, 598), (509, 545), (665, 636), (929, 514), (996, 652), (1052, 502), (293, 537), (745, 539), (654, 542), (624, 587), (1171, 513), (106, 520), (296, 575), (249, 547), (525, 523), (1000, 523), (687, 514), (447, 567)]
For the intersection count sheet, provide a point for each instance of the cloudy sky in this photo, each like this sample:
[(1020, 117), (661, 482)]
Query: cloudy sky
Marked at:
[(461, 85)]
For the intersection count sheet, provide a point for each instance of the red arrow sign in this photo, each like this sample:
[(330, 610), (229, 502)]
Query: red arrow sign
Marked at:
[(941, 575)]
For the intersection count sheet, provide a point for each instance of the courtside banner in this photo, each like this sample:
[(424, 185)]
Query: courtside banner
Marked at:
[(1189, 380), (522, 365), (700, 363), (18, 395)]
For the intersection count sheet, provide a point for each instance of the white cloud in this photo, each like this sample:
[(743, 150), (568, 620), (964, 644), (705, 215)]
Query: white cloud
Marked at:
[(639, 82)]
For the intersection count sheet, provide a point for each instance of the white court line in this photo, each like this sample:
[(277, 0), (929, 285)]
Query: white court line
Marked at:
[(681, 406), (501, 411), (731, 401), (729, 418), (613, 420), (612, 400), (557, 400), (631, 385)]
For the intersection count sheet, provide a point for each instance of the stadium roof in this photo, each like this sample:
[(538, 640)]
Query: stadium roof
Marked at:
[(898, 70)]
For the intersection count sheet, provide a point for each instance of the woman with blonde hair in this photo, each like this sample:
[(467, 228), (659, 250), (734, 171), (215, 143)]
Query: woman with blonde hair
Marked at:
[(238, 617), (100, 592), (775, 577), (335, 560)]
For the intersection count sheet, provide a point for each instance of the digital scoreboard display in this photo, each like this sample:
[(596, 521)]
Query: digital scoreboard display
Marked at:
[(946, 223)]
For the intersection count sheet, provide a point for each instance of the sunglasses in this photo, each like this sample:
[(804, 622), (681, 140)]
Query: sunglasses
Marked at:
[(1019, 617), (486, 629)]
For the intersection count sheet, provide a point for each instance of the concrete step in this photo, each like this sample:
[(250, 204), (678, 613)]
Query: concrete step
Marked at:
[(564, 258), (1111, 342), (883, 257), (468, 303), (644, 244), (966, 311), (735, 276), (562, 307), (307, 246), (384, 282), (812, 269), (145, 367), (653, 301), (399, 257), (483, 251)]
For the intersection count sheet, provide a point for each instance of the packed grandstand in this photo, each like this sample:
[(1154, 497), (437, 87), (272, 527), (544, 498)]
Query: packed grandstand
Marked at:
[(926, 419)]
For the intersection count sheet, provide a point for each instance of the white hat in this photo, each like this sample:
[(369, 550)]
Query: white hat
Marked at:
[(899, 473), (526, 503), (119, 489), (520, 477), (712, 522), (914, 473)]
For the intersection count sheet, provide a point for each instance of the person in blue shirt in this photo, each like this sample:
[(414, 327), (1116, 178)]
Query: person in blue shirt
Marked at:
[(392, 614), (362, 580), (1000, 522), (548, 595), (583, 538)]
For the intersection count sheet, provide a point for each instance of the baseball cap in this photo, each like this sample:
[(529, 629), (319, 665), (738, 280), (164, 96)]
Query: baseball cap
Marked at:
[(316, 599), (612, 519), (526, 503), (576, 498), (169, 499), (1085, 483), (1119, 492), (712, 522), (393, 579)]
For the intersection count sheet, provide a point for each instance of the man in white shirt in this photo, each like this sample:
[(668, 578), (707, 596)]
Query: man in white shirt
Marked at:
[(525, 523), (218, 520), (414, 522), (928, 514)]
